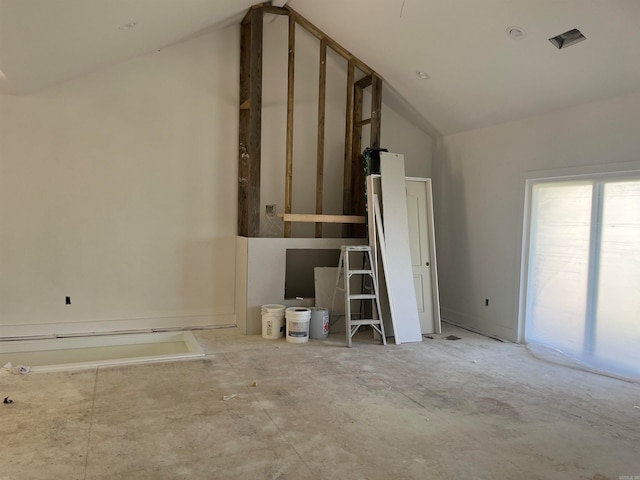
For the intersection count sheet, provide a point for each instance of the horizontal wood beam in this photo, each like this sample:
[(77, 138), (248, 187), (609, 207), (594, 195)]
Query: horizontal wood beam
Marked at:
[(366, 121), (311, 218)]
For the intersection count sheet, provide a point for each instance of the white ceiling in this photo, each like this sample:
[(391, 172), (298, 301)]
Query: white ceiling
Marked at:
[(479, 76)]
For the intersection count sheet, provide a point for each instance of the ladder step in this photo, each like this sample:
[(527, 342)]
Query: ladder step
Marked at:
[(357, 248), (360, 272), (362, 296), (368, 290), (365, 321)]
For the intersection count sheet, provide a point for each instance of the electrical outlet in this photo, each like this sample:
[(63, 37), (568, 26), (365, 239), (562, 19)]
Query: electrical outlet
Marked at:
[(270, 210), (486, 302), (67, 300)]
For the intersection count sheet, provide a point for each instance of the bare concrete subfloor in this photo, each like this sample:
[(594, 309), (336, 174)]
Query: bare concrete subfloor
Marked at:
[(472, 408)]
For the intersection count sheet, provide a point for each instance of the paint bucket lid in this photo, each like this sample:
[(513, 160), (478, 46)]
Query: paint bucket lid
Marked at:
[(273, 308)]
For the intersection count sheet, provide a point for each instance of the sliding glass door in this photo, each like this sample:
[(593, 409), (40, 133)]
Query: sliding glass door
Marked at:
[(583, 279)]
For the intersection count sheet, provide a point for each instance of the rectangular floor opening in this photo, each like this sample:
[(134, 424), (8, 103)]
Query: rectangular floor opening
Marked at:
[(100, 350)]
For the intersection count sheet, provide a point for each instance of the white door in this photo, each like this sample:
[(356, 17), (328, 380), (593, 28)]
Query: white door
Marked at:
[(422, 245)]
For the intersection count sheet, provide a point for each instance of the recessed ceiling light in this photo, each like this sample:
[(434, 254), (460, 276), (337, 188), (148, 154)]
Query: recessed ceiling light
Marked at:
[(516, 33), (423, 75), (127, 26)]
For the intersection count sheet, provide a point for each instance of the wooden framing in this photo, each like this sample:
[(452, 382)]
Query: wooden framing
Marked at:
[(250, 123), (322, 91), (249, 207), (376, 110), (348, 147), (309, 218), (288, 184)]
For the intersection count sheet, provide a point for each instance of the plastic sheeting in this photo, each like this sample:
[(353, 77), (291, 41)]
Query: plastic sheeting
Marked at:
[(580, 229)]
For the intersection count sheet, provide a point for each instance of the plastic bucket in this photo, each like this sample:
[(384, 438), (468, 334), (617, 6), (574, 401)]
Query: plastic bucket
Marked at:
[(298, 324), (272, 321), (319, 325)]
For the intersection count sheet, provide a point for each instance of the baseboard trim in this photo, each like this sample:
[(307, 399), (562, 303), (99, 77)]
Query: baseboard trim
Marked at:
[(131, 325)]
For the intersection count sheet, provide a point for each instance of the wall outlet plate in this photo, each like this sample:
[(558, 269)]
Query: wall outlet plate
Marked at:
[(270, 210)]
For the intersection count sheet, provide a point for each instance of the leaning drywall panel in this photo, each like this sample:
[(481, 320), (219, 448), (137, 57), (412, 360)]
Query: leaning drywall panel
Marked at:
[(396, 231), (373, 191)]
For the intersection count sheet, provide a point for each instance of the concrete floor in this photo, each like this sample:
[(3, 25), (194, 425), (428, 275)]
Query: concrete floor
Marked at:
[(473, 408)]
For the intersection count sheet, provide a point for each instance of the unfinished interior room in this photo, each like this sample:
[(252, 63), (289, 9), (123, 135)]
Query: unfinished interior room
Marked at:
[(319, 239)]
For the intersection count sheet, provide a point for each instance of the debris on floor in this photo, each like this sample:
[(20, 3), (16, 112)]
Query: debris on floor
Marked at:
[(450, 337), (17, 370), (7, 401), (254, 384), (229, 397)]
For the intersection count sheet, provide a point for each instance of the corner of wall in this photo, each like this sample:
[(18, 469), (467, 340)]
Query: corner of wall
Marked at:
[(242, 263)]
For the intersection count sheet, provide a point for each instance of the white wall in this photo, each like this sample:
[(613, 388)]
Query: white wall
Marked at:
[(479, 185), (119, 190), (400, 136)]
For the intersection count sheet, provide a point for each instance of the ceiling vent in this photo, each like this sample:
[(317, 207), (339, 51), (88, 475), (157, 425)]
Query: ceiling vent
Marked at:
[(567, 39)]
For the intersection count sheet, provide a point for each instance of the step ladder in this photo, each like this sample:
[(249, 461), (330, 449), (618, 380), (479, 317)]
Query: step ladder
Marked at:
[(343, 283)]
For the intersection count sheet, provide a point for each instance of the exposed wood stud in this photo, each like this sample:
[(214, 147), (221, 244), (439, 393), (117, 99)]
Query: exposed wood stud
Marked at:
[(348, 145), (357, 174), (250, 124), (322, 90), (376, 111), (360, 123), (288, 192)]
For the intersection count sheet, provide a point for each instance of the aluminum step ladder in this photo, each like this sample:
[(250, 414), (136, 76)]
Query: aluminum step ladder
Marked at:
[(369, 285)]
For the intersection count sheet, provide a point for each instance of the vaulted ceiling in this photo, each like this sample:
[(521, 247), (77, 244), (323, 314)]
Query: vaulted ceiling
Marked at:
[(479, 76)]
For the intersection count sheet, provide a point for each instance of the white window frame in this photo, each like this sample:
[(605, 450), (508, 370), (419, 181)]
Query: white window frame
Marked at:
[(598, 174)]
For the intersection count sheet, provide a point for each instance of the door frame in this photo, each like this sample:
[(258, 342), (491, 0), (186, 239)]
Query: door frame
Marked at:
[(373, 187), (435, 291)]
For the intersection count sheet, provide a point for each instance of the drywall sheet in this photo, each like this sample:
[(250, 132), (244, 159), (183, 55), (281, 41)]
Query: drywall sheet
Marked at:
[(382, 278), (399, 273)]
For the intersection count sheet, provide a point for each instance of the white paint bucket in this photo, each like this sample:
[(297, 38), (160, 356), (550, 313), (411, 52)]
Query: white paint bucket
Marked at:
[(272, 321), (298, 324), (319, 324)]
